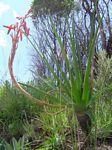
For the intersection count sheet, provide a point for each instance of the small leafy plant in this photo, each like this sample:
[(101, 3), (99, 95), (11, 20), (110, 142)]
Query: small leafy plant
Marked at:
[(16, 145)]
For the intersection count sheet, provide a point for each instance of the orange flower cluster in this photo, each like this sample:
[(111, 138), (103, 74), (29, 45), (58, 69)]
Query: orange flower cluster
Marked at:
[(20, 27)]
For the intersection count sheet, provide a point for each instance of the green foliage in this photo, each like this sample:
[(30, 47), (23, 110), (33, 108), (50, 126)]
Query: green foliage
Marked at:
[(15, 110), (72, 85), (54, 124), (103, 115), (103, 83), (104, 78), (57, 129), (46, 7), (2, 144), (55, 142), (76, 86), (30, 130), (16, 145)]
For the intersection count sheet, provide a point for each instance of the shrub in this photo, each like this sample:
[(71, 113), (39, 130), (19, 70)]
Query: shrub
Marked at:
[(104, 77), (104, 102), (15, 110)]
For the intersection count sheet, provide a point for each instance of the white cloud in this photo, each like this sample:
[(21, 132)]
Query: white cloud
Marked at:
[(2, 39), (3, 8), (15, 14)]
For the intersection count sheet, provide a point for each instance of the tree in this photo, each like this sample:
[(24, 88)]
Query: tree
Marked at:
[(103, 19), (42, 8)]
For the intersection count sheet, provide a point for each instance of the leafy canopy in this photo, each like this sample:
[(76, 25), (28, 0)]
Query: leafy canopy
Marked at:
[(61, 7)]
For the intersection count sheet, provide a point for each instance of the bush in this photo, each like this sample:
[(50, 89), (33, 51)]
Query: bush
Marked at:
[(15, 110), (104, 77), (103, 110)]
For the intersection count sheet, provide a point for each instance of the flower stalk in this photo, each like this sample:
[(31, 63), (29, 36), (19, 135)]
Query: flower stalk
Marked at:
[(18, 29)]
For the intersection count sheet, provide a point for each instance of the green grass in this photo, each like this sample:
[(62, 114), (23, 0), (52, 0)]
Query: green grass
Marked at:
[(59, 131), (15, 110), (104, 118)]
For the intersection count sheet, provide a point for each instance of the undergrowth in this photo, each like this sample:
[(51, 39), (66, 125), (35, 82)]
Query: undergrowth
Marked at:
[(40, 128)]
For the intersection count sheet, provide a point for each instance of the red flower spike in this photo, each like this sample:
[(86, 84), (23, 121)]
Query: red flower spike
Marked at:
[(9, 28), (19, 28)]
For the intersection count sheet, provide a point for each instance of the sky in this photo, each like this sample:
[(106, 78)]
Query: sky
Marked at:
[(9, 10)]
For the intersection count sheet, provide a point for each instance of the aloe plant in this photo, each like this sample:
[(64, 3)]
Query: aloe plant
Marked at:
[(77, 86)]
